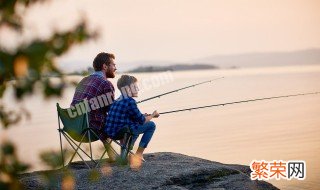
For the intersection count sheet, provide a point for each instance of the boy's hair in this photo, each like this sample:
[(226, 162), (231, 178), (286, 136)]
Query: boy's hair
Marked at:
[(102, 58), (126, 81)]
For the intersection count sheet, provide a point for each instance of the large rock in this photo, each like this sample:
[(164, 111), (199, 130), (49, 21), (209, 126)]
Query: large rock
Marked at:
[(160, 171)]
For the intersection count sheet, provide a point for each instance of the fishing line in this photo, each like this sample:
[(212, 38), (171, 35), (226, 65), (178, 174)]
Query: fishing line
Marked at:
[(237, 102), (177, 90)]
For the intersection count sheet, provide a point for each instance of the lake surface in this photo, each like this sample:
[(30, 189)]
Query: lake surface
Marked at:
[(279, 129)]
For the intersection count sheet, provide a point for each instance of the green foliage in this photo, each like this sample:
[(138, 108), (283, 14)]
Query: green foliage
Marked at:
[(10, 167), (9, 117), (52, 158), (94, 175), (31, 64), (34, 62), (9, 15)]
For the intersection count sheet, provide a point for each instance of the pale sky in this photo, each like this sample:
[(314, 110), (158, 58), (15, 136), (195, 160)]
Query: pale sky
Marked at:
[(180, 30)]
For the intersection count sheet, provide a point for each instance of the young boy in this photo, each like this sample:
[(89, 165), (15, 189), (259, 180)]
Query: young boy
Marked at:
[(125, 113)]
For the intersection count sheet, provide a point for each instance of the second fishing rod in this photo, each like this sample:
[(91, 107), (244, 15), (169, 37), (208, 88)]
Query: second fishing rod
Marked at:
[(239, 102)]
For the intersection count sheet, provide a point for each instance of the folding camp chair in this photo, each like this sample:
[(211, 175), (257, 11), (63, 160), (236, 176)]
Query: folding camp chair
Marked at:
[(77, 131)]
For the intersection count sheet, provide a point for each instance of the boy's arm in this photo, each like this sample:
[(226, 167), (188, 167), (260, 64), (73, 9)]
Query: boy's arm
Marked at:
[(148, 117), (135, 113)]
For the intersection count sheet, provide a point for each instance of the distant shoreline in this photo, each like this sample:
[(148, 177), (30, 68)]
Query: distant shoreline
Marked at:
[(176, 67)]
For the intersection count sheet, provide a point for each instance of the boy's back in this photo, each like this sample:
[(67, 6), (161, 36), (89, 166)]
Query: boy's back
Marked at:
[(123, 112)]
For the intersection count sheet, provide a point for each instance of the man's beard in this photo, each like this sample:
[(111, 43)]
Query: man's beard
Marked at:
[(110, 74)]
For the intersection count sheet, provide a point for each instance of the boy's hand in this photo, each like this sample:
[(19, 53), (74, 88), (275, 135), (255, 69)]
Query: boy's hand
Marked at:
[(155, 114)]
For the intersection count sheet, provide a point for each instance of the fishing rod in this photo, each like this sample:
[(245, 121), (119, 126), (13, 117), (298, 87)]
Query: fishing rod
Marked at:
[(158, 96), (237, 102)]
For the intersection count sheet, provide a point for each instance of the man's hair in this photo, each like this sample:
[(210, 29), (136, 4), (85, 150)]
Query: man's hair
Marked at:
[(102, 58), (126, 81)]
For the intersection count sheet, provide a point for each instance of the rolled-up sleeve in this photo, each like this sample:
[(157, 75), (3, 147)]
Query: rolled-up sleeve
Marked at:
[(135, 113)]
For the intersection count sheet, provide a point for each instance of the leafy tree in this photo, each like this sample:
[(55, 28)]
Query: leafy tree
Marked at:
[(32, 62), (29, 65)]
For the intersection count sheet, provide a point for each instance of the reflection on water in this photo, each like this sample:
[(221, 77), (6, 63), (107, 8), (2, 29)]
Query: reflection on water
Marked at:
[(280, 129)]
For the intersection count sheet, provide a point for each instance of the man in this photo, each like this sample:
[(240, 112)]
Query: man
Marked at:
[(94, 87)]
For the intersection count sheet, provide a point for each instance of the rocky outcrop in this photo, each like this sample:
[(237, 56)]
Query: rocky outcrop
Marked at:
[(160, 171)]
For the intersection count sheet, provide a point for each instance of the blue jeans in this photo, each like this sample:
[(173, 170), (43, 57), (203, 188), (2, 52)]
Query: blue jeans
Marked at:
[(147, 130)]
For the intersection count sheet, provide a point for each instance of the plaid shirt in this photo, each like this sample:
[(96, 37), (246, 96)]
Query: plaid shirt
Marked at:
[(123, 112), (93, 86)]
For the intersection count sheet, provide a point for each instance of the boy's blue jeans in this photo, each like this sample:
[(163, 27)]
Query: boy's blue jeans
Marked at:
[(147, 130)]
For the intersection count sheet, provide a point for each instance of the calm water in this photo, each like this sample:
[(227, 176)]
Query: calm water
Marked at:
[(280, 129)]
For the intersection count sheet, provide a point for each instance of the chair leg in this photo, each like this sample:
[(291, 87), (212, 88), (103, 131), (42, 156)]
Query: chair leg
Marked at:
[(76, 152), (90, 145), (128, 146), (104, 152), (113, 150), (108, 147), (121, 146), (62, 157), (79, 148), (125, 148)]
